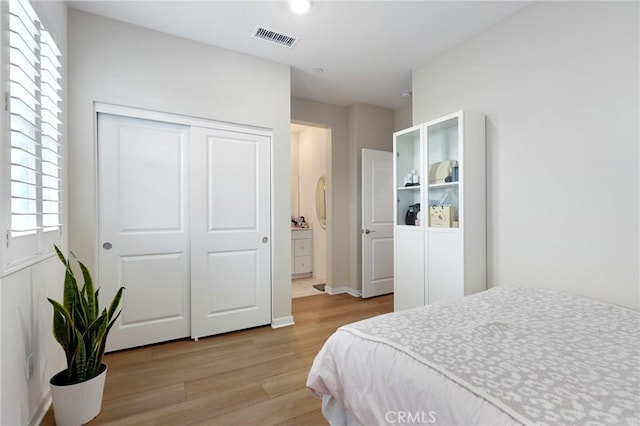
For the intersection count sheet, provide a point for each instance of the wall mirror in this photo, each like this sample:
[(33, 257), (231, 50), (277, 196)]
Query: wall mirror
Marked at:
[(321, 205)]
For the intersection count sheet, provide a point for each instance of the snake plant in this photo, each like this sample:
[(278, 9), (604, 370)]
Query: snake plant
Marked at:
[(78, 324)]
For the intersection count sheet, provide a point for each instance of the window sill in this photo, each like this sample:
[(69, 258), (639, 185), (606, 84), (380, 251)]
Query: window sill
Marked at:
[(24, 264)]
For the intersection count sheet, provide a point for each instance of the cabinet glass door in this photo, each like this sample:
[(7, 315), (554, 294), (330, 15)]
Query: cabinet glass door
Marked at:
[(444, 174), (408, 177)]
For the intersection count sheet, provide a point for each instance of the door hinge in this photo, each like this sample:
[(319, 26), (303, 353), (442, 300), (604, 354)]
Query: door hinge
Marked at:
[(6, 101), (7, 238)]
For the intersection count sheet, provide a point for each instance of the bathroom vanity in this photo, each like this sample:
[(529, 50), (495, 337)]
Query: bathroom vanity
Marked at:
[(301, 252)]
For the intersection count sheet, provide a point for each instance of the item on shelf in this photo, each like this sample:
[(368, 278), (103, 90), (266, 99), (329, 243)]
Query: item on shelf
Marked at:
[(441, 216), (454, 173), (412, 214), (412, 178), (299, 222), (439, 171)]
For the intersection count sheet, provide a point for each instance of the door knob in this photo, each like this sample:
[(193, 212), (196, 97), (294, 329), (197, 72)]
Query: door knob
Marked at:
[(368, 231), (265, 239), (107, 245)]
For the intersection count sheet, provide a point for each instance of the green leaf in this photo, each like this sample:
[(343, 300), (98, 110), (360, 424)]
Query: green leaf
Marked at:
[(88, 291), (115, 302), (80, 360), (71, 292), (99, 332), (60, 255), (103, 342), (61, 326)]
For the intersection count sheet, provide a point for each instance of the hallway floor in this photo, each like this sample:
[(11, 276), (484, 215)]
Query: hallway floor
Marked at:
[(302, 287)]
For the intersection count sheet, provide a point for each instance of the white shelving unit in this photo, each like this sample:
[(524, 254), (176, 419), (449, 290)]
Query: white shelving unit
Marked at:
[(440, 253)]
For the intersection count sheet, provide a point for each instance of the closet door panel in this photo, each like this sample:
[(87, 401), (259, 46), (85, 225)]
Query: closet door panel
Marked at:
[(230, 231), (144, 227), (232, 184), (230, 268)]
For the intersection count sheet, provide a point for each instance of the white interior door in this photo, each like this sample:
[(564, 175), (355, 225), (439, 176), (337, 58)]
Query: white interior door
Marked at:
[(377, 222), (143, 187), (230, 231)]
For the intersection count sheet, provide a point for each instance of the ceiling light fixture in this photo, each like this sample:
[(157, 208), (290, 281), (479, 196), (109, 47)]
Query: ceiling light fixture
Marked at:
[(300, 6)]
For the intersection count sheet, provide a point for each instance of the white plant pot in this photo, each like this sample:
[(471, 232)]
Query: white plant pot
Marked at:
[(75, 405)]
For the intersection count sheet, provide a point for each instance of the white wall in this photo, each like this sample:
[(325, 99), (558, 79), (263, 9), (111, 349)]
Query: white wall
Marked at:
[(25, 313), (402, 118), (369, 127), (312, 153), (558, 83), (294, 153), (295, 191), (118, 63)]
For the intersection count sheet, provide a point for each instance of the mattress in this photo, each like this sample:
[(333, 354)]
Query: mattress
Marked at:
[(509, 355)]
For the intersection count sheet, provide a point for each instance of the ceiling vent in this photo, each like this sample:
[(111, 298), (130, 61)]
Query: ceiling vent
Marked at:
[(275, 36)]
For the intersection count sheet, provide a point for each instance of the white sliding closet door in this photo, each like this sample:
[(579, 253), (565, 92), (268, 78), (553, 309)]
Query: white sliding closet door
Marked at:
[(230, 231), (144, 227)]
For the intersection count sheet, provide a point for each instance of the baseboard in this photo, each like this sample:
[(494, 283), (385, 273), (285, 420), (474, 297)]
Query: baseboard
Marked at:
[(38, 416), (304, 275), (354, 293), (341, 290), (282, 322), (336, 290)]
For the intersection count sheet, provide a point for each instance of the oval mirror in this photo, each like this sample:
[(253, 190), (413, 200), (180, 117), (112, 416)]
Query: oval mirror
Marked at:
[(321, 206)]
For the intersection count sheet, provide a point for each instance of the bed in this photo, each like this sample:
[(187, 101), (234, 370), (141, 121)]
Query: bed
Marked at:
[(508, 355)]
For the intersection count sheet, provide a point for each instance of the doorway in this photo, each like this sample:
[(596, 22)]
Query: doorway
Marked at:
[(310, 169)]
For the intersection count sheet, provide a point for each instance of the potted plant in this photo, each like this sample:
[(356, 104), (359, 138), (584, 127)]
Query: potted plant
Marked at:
[(81, 329)]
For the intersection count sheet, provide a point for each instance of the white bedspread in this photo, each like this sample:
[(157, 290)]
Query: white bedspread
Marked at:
[(509, 355)]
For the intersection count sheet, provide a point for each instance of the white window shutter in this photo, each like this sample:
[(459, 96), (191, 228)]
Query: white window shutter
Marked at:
[(32, 219)]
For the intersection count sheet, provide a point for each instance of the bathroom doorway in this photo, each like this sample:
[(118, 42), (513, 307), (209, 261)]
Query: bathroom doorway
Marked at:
[(310, 195)]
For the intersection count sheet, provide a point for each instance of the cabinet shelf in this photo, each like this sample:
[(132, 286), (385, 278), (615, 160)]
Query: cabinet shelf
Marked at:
[(443, 230), (443, 185), (407, 188), (417, 228)]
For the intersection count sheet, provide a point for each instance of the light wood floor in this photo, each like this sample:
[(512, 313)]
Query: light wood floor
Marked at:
[(303, 287), (251, 377)]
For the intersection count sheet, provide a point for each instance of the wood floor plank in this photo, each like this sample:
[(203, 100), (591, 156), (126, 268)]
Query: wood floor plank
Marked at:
[(313, 417), (206, 408), (115, 409), (249, 377), (270, 412), (285, 382)]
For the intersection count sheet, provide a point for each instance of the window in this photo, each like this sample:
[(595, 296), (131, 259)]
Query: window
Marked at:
[(33, 102)]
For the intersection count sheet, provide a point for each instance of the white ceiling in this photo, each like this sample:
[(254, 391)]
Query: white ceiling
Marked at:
[(366, 48)]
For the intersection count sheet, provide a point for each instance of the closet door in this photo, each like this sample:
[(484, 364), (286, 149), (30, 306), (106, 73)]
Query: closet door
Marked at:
[(230, 231), (143, 186)]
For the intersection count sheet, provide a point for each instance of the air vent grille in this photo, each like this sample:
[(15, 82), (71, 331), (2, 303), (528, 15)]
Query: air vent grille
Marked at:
[(275, 36)]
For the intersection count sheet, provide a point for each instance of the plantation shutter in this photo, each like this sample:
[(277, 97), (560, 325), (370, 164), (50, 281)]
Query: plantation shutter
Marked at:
[(34, 105), (50, 140), (24, 108)]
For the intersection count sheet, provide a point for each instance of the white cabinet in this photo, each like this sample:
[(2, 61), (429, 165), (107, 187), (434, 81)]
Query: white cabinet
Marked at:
[(301, 252), (440, 210)]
